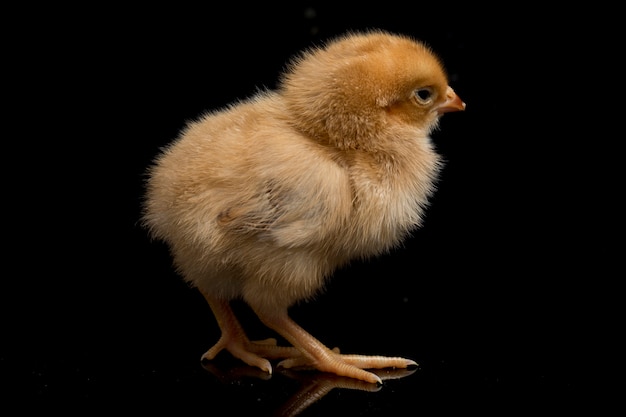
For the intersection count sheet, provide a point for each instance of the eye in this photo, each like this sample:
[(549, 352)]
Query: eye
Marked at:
[(424, 95)]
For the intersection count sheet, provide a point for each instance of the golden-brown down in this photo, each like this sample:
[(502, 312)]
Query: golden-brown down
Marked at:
[(263, 200)]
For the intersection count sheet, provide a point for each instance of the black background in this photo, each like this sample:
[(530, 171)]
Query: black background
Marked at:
[(497, 296)]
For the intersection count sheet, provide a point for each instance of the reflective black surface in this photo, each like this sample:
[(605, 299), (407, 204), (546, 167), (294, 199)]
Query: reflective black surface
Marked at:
[(482, 297)]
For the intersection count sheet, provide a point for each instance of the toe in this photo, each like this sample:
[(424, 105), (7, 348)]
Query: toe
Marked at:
[(268, 342), (210, 354)]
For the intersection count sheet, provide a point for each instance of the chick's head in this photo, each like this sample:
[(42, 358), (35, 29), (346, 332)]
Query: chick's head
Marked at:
[(351, 91)]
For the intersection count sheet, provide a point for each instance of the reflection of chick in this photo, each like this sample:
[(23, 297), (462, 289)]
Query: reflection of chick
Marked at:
[(265, 199)]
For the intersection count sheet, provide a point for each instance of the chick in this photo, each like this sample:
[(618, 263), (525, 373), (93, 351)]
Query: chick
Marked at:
[(264, 199)]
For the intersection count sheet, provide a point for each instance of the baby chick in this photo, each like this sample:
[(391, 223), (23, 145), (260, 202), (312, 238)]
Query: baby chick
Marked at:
[(264, 199)]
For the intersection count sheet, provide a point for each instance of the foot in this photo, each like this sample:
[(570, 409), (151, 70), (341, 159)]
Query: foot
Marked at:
[(318, 356), (254, 353), (348, 365), (235, 341)]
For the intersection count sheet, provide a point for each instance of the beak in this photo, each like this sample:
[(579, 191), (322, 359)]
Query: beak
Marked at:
[(452, 103)]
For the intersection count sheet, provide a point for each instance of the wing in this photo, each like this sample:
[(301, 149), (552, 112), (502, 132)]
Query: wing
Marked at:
[(292, 213)]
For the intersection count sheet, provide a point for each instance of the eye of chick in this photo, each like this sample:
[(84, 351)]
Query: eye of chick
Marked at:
[(424, 95)]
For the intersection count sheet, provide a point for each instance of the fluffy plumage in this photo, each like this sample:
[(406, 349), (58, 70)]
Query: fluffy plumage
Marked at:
[(264, 199)]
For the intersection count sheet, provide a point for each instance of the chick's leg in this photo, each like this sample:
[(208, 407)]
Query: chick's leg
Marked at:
[(317, 355), (235, 341)]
